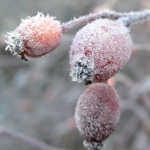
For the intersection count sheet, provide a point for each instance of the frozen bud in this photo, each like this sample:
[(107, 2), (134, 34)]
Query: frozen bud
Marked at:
[(97, 112), (35, 36), (99, 50)]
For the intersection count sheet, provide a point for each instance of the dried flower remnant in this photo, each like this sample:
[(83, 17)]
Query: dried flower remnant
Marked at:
[(35, 36), (99, 50), (97, 112)]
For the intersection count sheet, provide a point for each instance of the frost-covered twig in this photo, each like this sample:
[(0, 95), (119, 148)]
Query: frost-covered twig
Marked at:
[(137, 17), (88, 18), (28, 140), (127, 18)]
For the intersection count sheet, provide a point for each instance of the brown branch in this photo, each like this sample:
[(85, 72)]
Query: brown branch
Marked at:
[(139, 111), (28, 140)]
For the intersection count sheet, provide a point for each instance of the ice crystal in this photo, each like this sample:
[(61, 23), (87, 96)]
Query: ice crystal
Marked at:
[(82, 70), (15, 43)]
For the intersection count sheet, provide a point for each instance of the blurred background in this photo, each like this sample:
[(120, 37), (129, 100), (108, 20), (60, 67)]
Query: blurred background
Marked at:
[(38, 98)]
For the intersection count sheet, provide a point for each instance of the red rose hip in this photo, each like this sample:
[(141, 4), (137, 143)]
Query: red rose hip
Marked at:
[(97, 112), (35, 36), (99, 50)]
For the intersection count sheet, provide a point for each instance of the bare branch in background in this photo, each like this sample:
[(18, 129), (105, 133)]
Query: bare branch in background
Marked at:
[(25, 139)]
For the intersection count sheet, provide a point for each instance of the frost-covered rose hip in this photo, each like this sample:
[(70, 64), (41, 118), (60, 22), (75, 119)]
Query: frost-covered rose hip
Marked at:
[(99, 50), (35, 36), (97, 112)]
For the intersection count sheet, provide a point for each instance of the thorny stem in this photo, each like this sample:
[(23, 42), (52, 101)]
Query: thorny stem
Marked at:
[(127, 18), (28, 140)]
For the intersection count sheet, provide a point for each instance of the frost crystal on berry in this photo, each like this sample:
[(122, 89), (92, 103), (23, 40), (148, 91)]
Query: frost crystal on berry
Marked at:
[(35, 36), (102, 47), (83, 70), (97, 112), (15, 43)]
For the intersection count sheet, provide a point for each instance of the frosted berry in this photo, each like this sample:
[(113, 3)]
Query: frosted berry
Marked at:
[(97, 112), (99, 50), (35, 36)]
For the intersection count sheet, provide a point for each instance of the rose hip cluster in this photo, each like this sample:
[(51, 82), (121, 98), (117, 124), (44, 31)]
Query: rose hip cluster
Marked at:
[(99, 50)]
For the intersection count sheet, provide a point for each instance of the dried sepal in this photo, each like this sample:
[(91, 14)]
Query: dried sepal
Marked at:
[(92, 145)]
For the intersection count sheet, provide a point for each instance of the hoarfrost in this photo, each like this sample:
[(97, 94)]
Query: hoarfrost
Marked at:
[(14, 43)]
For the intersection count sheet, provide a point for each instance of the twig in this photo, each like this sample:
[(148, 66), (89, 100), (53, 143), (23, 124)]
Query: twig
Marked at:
[(88, 18), (137, 17), (143, 47), (139, 111), (127, 18), (124, 79), (28, 140), (137, 89), (146, 100)]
